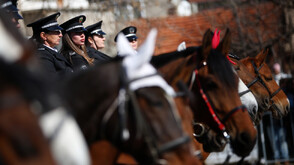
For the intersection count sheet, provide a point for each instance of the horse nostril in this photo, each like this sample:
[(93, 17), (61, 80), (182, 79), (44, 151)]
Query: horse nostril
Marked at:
[(266, 102), (287, 108), (254, 110)]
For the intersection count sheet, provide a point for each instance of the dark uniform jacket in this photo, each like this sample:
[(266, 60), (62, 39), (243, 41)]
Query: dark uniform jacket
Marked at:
[(78, 62), (99, 57), (53, 63)]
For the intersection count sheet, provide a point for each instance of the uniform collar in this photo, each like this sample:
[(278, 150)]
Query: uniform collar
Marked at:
[(54, 49)]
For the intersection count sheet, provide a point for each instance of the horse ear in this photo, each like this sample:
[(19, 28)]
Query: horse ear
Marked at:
[(225, 44), (260, 58), (206, 43), (123, 46), (147, 48), (145, 52)]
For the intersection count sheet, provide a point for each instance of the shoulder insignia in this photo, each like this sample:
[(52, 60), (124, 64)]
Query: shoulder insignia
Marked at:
[(72, 53), (41, 49)]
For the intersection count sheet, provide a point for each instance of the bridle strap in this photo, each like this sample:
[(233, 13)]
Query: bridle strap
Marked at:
[(219, 122), (221, 126), (58, 127), (258, 78), (241, 107), (244, 92)]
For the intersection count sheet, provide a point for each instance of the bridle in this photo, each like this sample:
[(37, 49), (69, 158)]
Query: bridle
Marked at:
[(259, 78), (127, 95), (211, 108)]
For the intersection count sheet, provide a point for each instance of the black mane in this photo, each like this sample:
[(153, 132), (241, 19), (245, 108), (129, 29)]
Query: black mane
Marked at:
[(220, 66), (163, 59)]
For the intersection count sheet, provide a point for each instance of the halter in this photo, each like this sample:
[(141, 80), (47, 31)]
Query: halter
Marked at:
[(258, 78), (143, 128), (211, 108)]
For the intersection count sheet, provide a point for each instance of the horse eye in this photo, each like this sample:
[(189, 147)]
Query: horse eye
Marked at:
[(210, 84), (268, 78)]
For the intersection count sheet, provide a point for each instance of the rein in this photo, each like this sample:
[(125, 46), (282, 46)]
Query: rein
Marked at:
[(259, 78)]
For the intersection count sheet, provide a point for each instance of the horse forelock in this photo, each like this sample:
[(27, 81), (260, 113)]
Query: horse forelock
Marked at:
[(222, 69)]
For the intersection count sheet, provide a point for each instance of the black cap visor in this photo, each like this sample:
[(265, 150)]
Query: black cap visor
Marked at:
[(99, 33), (80, 29), (16, 15), (54, 28), (132, 38)]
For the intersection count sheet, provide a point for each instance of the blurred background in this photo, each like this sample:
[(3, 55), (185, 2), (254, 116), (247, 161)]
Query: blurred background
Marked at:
[(255, 24)]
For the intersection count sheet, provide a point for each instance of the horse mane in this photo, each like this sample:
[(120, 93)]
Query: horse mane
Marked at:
[(32, 86), (219, 65), (165, 58)]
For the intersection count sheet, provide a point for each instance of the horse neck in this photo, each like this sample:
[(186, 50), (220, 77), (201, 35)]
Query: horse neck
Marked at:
[(177, 70)]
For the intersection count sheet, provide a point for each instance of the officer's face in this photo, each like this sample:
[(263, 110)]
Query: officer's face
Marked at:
[(134, 44), (15, 22), (78, 38), (99, 40), (53, 38)]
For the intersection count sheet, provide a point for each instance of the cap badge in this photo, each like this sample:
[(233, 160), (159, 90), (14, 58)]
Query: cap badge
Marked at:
[(132, 30), (81, 20)]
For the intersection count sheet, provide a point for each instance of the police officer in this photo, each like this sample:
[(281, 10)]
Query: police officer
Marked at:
[(47, 34), (130, 34), (73, 41), (95, 41), (10, 8)]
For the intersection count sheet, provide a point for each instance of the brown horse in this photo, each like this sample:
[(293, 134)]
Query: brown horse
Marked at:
[(258, 90), (278, 101), (21, 139), (215, 91), (112, 103)]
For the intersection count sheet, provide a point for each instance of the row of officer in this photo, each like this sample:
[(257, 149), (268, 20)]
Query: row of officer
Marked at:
[(80, 46)]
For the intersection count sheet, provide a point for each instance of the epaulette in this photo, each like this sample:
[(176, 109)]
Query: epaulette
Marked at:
[(41, 49)]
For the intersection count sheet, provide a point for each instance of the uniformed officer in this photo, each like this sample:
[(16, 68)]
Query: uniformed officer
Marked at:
[(130, 34), (95, 41), (47, 34), (73, 41), (10, 8)]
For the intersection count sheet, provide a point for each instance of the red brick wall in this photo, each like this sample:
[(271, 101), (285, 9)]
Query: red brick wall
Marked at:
[(173, 30)]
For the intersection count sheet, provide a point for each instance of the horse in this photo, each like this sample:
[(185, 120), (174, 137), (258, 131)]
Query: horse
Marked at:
[(126, 103), (214, 85), (262, 91), (278, 102), (43, 132)]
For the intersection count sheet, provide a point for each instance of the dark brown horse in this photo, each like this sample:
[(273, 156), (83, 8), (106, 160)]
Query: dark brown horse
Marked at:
[(118, 103), (21, 139), (215, 88)]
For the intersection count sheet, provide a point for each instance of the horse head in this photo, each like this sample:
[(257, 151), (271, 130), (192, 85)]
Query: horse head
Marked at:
[(256, 87), (278, 102), (215, 86)]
